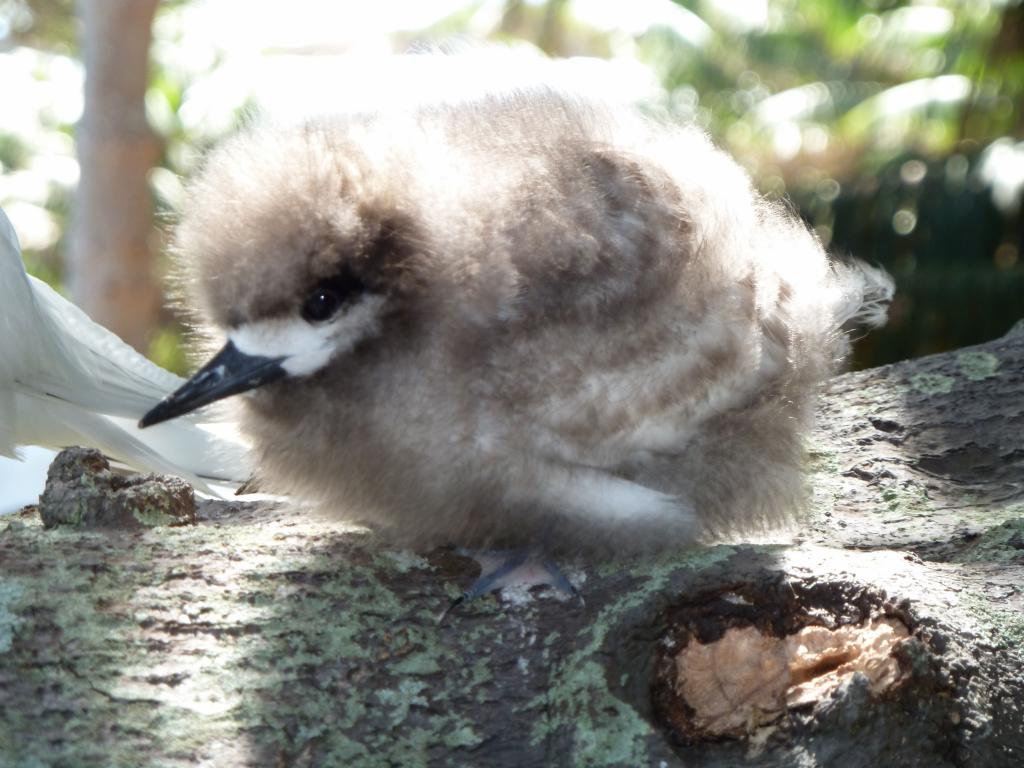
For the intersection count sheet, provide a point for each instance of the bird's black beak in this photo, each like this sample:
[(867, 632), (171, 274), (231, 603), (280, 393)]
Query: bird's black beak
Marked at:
[(228, 373)]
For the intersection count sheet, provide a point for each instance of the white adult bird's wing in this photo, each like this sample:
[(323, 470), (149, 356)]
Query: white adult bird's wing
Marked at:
[(64, 380)]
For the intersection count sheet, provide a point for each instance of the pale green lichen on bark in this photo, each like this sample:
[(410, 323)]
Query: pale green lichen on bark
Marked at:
[(418, 663), (465, 736), (607, 731), (822, 462), (81, 510), (932, 383), (907, 498), (1003, 543), (1005, 625), (417, 652), (152, 516), (976, 366), (11, 593), (399, 700), (243, 680), (61, 596)]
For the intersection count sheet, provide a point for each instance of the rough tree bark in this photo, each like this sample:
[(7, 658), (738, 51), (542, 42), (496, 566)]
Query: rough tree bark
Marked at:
[(110, 263), (262, 637)]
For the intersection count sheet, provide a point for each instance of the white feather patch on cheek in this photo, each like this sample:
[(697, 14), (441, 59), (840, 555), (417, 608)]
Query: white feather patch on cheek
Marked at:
[(305, 347)]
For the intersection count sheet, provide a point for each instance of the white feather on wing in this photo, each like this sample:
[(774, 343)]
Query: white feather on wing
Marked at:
[(65, 380)]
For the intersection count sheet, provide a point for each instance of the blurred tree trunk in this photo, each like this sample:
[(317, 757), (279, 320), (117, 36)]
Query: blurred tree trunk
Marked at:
[(110, 264)]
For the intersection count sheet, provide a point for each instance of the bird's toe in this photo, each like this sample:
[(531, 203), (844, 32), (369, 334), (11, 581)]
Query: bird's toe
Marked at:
[(512, 568)]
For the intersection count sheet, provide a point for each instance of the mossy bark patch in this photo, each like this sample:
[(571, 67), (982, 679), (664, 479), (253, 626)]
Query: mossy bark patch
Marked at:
[(82, 491)]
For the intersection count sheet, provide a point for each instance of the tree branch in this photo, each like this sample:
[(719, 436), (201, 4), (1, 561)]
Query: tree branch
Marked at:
[(262, 637)]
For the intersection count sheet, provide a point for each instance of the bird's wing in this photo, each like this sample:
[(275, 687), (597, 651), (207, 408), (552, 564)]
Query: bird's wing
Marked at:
[(91, 366), (53, 423), (14, 303), (50, 345), (66, 380), (611, 395)]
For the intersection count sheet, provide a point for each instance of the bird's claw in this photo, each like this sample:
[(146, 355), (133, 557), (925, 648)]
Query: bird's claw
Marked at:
[(511, 568)]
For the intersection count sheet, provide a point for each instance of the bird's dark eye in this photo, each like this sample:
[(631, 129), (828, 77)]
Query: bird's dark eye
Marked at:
[(322, 304), (331, 295)]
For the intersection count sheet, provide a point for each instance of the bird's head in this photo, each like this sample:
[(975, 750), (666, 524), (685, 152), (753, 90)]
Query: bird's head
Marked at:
[(303, 245), (297, 251)]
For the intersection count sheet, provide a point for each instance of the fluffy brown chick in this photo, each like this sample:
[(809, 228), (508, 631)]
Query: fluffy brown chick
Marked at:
[(520, 317)]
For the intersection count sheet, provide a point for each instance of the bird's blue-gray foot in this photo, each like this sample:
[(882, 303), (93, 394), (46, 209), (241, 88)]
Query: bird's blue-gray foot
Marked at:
[(508, 568)]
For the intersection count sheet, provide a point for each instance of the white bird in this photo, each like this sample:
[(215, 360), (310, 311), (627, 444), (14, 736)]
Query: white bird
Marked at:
[(64, 380), (525, 316)]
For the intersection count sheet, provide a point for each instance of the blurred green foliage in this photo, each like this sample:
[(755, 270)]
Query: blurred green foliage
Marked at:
[(881, 120), (895, 126)]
